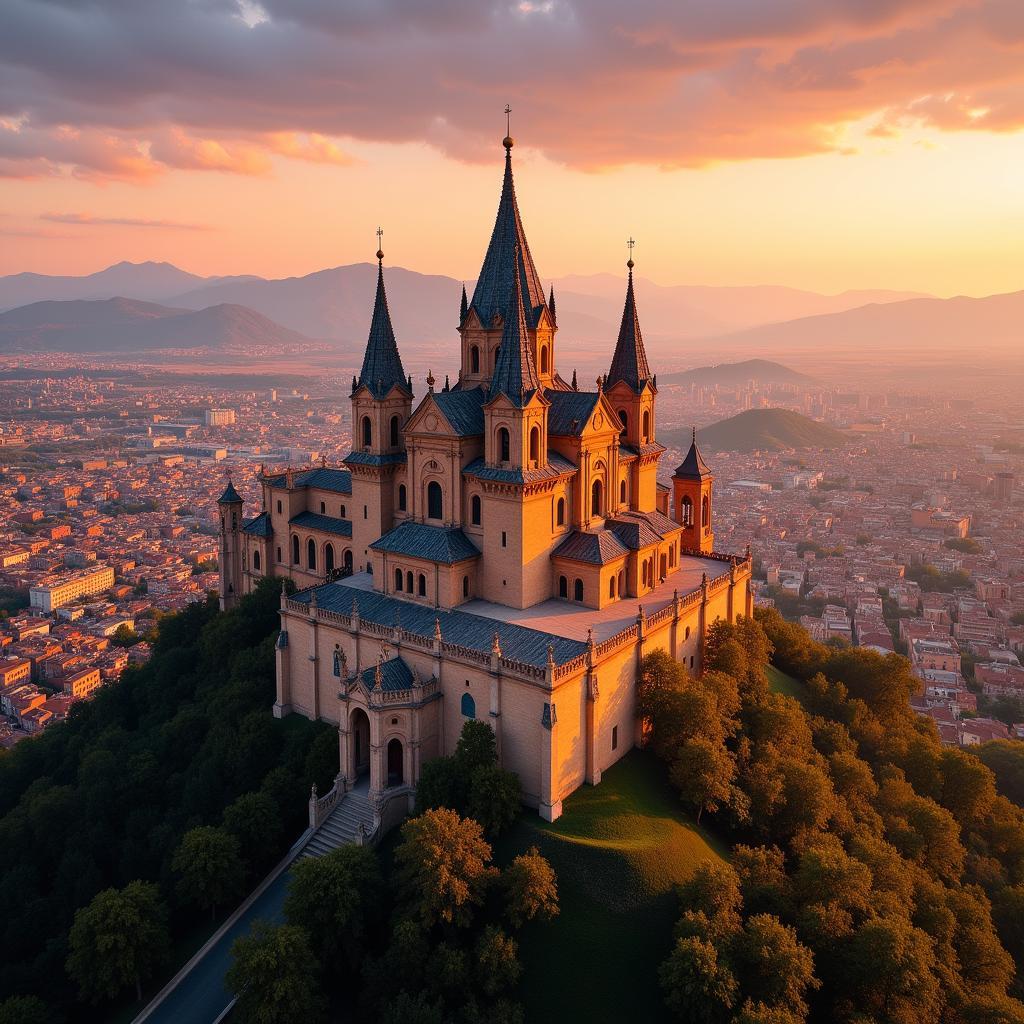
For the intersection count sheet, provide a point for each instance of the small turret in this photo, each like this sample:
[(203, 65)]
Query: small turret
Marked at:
[(229, 505)]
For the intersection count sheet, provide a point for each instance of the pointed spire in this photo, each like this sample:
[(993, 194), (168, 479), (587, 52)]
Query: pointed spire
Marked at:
[(515, 374), (693, 467), (551, 303), (230, 495), (575, 383), (629, 363), (464, 306), (493, 292), (382, 365), (447, 385)]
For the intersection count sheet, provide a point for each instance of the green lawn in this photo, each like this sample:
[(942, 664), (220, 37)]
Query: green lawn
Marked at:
[(779, 682), (619, 850)]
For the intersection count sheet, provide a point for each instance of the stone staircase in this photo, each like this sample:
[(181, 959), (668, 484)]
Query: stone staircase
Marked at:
[(340, 827)]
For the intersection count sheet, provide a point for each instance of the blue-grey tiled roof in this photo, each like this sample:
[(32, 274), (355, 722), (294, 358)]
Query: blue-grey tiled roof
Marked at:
[(394, 675), (258, 526), (464, 410), (569, 411), (230, 496), (468, 630), (515, 374), (434, 543), (598, 548), (317, 521), (640, 529), (629, 363), (556, 466), (693, 466), (369, 459), (338, 480), (382, 365)]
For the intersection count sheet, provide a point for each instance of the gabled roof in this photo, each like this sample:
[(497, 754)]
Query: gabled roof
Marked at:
[(693, 467), (507, 258), (629, 363), (464, 410), (382, 365), (258, 526), (641, 529), (230, 496), (515, 375), (556, 466), (433, 543), (598, 548), (395, 674), (337, 480), (318, 521), (570, 411)]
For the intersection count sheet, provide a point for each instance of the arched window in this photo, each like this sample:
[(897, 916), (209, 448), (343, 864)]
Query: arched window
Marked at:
[(323, 507), (311, 553), (474, 510), (705, 511), (394, 431), (328, 558), (468, 706), (595, 498), (398, 579), (624, 420), (408, 581), (687, 636), (279, 554), (256, 560), (622, 583), (535, 444), (578, 590), (560, 512), (465, 586), (474, 359), (347, 560), (687, 509), (611, 587), (647, 424), (342, 511), (435, 501), (401, 498), (295, 550), (622, 492), (543, 359), (563, 587), (367, 432), (422, 589), (504, 445)]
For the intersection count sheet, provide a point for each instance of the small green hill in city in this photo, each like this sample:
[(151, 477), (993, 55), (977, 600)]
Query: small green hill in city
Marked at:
[(764, 371), (759, 430)]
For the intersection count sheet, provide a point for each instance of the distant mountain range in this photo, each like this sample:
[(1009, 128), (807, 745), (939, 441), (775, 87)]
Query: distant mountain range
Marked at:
[(128, 325), (764, 371), (759, 430)]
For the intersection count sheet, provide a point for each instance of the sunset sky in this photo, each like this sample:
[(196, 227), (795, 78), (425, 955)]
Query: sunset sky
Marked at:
[(825, 144)]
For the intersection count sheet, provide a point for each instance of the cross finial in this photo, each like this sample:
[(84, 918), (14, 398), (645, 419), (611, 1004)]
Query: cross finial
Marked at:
[(380, 244), (508, 141), (630, 242)]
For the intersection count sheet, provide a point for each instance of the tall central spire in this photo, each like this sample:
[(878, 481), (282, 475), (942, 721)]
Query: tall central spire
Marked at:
[(515, 373), (493, 292), (382, 365), (629, 363)]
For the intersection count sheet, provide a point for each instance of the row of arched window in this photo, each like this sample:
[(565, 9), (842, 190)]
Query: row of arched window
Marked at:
[(394, 432), (312, 559), (503, 445), (474, 359), (415, 584), (577, 588), (645, 424), (435, 500), (686, 511)]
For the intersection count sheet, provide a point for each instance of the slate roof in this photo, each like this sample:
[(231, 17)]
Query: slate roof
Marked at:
[(382, 365), (507, 256), (515, 375), (258, 526), (556, 466), (369, 459), (693, 467), (464, 410), (434, 543), (230, 496), (317, 521), (569, 408), (598, 548), (640, 529), (394, 673), (464, 628), (629, 363), (338, 480)]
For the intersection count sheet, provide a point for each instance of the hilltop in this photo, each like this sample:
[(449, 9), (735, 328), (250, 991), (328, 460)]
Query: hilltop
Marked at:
[(762, 370), (760, 430)]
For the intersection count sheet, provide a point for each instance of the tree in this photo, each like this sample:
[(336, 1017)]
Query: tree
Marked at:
[(437, 784), (119, 939), (210, 867), (968, 786), (24, 1010), (476, 748), (775, 967), (334, 898), (125, 636), (274, 974), (255, 821), (443, 867), (531, 889), (699, 987), (1006, 760), (703, 771), (494, 798), (497, 967)]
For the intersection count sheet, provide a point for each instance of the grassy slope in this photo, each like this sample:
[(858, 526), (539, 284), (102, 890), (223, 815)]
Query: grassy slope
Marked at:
[(779, 682), (618, 849)]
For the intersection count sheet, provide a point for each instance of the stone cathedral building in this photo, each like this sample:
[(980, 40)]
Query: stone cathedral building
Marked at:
[(500, 549)]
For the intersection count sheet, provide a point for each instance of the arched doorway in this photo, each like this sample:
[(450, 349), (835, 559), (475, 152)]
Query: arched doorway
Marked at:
[(360, 728), (329, 558), (396, 763)]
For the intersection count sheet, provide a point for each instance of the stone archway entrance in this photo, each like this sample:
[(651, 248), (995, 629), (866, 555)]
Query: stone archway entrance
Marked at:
[(396, 763), (360, 753)]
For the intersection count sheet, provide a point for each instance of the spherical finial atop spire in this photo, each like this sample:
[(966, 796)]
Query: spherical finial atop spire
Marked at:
[(508, 142), (380, 243), (629, 245)]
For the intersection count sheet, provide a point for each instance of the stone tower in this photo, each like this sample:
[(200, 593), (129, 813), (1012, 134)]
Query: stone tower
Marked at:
[(229, 505), (692, 485)]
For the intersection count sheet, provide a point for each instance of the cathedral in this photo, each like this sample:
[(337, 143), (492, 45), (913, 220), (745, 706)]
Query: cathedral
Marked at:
[(500, 549)]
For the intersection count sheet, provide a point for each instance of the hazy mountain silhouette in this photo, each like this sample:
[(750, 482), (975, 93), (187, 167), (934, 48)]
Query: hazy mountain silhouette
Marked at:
[(128, 325), (759, 430), (764, 371)]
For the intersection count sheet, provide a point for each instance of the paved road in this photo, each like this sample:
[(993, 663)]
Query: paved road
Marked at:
[(200, 997)]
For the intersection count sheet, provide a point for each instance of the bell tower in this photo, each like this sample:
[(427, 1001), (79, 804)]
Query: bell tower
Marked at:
[(692, 485), (229, 507)]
